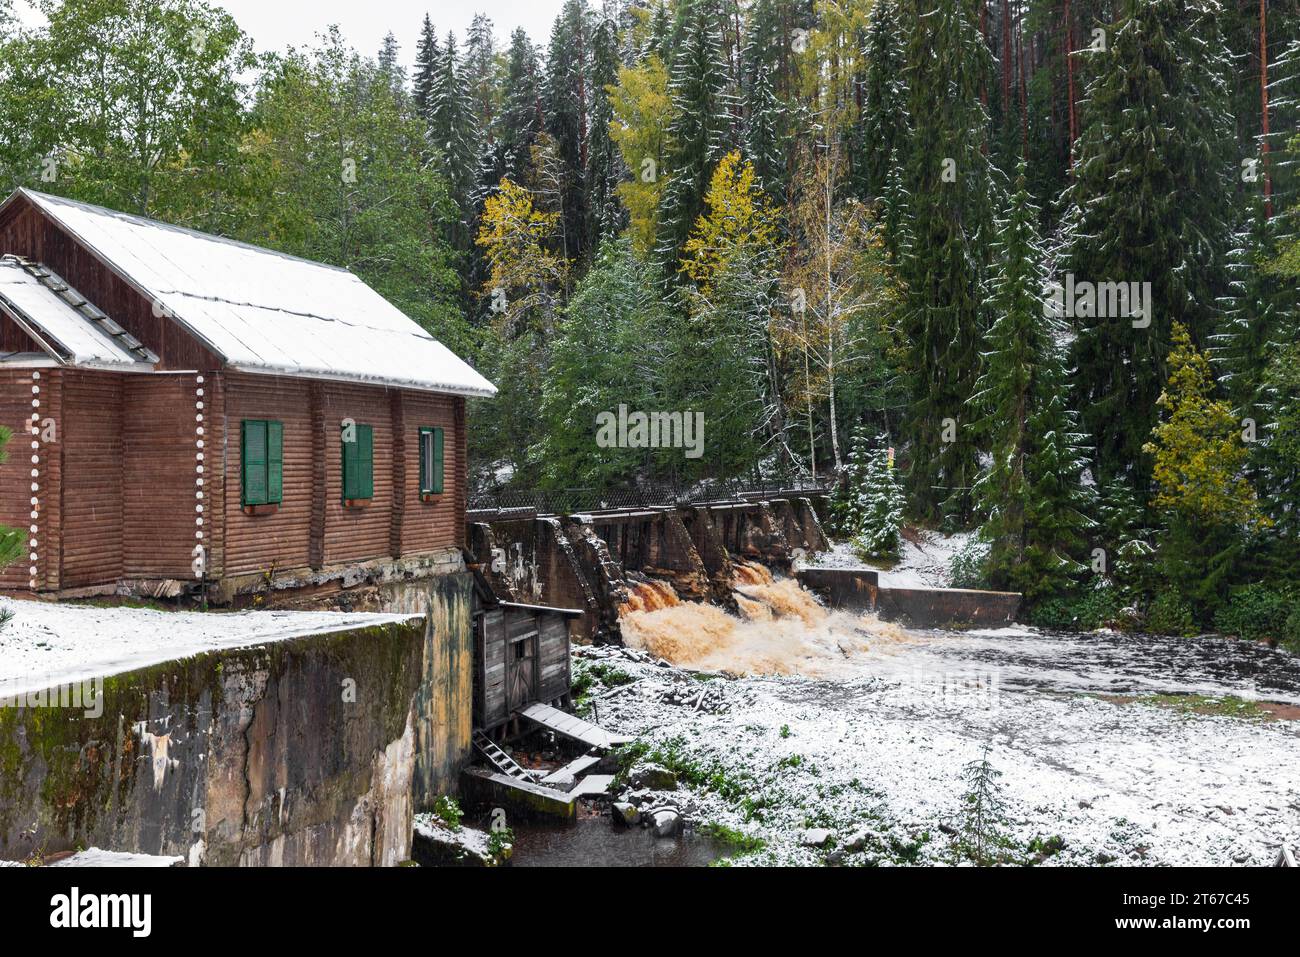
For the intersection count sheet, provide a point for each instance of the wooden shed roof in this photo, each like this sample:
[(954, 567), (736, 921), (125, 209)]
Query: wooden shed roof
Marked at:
[(264, 311)]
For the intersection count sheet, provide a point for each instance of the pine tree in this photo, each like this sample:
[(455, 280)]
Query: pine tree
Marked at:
[(1148, 204), (700, 128), (1031, 491), (950, 187), (883, 128)]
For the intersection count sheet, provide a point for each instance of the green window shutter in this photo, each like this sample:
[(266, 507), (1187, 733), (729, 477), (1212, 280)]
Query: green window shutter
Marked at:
[(423, 446), (350, 487), (365, 461), (253, 462), (437, 461), (274, 462)]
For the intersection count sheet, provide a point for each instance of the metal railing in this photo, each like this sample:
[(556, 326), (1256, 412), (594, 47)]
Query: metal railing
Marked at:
[(570, 500)]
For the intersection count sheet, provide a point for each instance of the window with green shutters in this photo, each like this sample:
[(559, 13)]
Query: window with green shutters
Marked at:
[(261, 462), (358, 463), (431, 459)]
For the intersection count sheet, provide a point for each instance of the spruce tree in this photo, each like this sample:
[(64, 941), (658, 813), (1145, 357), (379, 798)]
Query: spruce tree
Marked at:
[(521, 120), (1148, 204), (567, 97), (878, 511), (452, 132), (427, 56), (883, 127), (1030, 492), (766, 125), (766, 143), (700, 129), (605, 167), (949, 184), (1259, 314)]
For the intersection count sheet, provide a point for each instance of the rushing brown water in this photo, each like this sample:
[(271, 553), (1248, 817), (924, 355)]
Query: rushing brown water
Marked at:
[(782, 628)]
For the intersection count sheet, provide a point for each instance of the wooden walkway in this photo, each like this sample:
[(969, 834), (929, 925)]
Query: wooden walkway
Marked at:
[(569, 726), (567, 776)]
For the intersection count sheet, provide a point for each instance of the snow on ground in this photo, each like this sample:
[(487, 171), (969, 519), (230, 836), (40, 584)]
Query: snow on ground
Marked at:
[(97, 857), (876, 752), (923, 563), (51, 644)]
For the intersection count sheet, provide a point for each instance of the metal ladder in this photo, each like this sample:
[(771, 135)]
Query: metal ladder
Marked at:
[(499, 759)]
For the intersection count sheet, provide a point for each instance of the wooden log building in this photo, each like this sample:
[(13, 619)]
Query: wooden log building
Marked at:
[(192, 412)]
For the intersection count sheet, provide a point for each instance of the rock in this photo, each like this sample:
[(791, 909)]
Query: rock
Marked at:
[(667, 822), (816, 837), (856, 842), (626, 815), (656, 777), (835, 858)]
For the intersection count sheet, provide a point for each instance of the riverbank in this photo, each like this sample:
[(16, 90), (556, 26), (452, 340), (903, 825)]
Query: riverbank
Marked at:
[(869, 760)]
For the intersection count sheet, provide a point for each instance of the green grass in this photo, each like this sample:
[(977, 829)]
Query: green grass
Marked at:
[(735, 840)]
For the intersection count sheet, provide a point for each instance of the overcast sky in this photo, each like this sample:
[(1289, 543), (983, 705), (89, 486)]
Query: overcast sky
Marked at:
[(275, 24)]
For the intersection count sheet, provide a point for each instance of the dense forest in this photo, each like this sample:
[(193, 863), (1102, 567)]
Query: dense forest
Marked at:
[(1034, 261)]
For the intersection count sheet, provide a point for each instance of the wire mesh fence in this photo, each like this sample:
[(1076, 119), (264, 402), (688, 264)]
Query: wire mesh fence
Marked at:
[(570, 500)]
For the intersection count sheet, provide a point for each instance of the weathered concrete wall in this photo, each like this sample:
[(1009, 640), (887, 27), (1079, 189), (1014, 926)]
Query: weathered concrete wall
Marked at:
[(299, 752), (444, 710), (947, 607), (858, 588), (842, 587)]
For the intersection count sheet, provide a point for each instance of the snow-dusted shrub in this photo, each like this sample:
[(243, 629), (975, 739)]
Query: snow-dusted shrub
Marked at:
[(1170, 614), (1256, 612), (967, 569), (1086, 610), (1291, 631)]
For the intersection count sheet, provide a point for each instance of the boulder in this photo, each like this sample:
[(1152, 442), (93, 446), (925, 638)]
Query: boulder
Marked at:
[(656, 777), (626, 815), (667, 822), (816, 837)]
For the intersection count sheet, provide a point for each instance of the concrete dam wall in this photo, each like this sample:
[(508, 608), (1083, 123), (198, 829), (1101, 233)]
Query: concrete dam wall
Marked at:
[(593, 561), (859, 589)]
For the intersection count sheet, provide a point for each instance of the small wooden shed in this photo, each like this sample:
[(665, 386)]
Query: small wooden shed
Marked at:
[(521, 656)]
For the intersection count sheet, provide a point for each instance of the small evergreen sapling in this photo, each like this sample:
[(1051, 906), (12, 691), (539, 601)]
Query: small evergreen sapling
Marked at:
[(878, 508), (985, 810)]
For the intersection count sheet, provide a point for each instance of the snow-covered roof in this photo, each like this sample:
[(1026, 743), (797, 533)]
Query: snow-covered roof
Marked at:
[(263, 311), (69, 329)]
